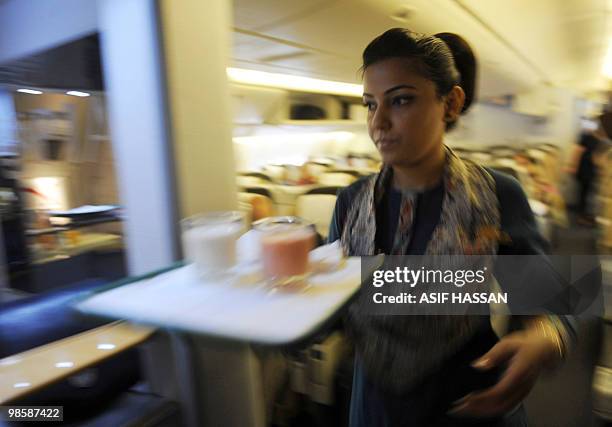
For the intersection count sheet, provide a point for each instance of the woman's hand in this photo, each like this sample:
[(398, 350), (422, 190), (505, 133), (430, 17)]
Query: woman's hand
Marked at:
[(526, 354)]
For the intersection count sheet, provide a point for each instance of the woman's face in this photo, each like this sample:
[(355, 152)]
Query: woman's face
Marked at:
[(406, 117)]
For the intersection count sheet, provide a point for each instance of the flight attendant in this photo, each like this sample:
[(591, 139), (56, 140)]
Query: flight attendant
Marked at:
[(435, 370)]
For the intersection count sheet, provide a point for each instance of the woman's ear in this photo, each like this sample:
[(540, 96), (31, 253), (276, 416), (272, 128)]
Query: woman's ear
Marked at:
[(454, 104)]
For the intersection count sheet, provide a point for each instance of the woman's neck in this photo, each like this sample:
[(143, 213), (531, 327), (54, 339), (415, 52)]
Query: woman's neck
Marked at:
[(424, 175)]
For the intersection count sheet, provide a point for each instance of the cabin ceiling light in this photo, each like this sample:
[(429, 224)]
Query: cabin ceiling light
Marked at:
[(77, 93), (64, 364), (606, 70), (290, 82), (21, 385), (30, 91), (9, 361), (106, 346)]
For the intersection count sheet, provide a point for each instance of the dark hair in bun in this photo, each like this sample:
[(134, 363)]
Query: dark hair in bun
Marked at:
[(445, 58)]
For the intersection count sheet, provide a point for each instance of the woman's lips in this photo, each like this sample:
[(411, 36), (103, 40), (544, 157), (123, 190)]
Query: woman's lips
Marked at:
[(384, 144)]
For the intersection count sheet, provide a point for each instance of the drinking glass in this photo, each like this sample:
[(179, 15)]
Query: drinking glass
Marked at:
[(285, 246), (209, 241)]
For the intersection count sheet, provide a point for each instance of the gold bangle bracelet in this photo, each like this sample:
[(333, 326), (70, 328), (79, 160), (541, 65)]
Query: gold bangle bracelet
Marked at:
[(549, 330)]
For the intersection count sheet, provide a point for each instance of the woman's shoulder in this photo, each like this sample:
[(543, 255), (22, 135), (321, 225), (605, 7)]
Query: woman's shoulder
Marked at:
[(349, 192), (508, 189), (517, 219), (343, 203)]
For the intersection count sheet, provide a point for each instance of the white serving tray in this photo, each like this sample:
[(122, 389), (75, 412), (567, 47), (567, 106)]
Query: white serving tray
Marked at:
[(239, 310)]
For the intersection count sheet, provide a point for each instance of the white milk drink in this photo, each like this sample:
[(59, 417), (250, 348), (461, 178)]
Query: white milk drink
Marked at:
[(212, 248)]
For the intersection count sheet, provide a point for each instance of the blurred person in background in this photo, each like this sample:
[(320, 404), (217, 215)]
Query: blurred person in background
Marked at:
[(584, 166), (435, 370)]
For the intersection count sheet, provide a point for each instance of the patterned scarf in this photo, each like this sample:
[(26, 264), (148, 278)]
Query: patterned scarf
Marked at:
[(400, 351), (403, 233)]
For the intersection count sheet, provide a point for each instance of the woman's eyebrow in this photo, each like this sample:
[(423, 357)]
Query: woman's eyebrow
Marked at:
[(394, 88)]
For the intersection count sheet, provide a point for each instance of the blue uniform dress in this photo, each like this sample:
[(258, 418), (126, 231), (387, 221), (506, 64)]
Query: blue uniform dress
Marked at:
[(427, 404)]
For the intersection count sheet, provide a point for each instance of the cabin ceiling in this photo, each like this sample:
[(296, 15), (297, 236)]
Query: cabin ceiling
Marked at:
[(521, 44)]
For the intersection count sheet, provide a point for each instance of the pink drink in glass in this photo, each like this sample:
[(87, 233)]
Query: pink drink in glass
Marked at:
[(285, 246)]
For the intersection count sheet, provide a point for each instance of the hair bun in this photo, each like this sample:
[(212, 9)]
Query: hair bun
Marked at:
[(465, 61)]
